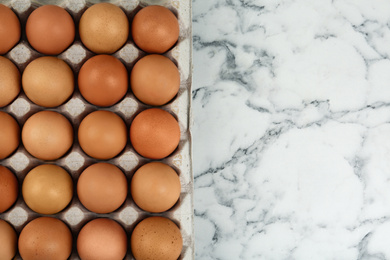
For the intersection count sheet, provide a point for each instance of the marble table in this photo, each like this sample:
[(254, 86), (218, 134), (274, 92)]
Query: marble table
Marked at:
[(291, 108)]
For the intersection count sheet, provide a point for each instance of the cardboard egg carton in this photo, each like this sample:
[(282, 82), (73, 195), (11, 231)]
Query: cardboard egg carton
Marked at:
[(76, 108)]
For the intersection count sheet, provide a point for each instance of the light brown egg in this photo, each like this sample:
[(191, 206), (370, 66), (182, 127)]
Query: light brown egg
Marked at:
[(155, 187), (102, 134), (154, 133), (155, 80), (156, 238), (9, 81), (103, 80), (8, 240), (47, 135), (155, 29), (47, 189), (9, 29), (8, 189), (102, 188), (48, 81), (104, 28), (9, 135), (101, 239), (45, 238), (50, 29)]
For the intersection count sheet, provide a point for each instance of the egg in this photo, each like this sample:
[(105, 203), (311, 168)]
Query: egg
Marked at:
[(9, 29), (9, 135), (155, 187), (103, 80), (50, 29), (45, 238), (8, 189), (155, 80), (102, 188), (102, 134), (48, 81), (8, 241), (156, 238), (47, 135), (101, 239), (155, 29), (47, 189), (9, 81), (104, 28), (154, 133)]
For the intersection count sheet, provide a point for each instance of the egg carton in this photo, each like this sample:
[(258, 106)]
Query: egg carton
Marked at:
[(76, 108)]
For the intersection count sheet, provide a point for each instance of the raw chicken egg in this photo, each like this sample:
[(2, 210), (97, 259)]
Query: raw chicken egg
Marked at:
[(9, 29), (47, 135), (155, 80), (154, 133), (102, 188), (48, 81), (100, 239), (9, 81), (45, 238), (103, 80), (8, 189), (8, 240), (155, 187), (47, 189), (9, 135), (50, 29), (155, 29)]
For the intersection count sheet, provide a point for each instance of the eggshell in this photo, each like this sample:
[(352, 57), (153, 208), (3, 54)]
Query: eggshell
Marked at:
[(102, 134), (102, 239), (102, 188), (47, 135), (104, 28), (47, 189), (8, 189), (9, 29), (155, 29), (50, 29), (9, 135), (45, 238), (9, 81), (48, 81), (154, 133), (103, 80), (155, 80), (156, 238), (155, 187), (8, 241)]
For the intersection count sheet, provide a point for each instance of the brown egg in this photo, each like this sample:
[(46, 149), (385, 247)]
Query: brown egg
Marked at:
[(155, 80), (45, 238), (47, 189), (102, 134), (155, 29), (8, 240), (154, 133), (155, 187), (9, 29), (102, 188), (48, 81), (50, 29), (103, 80), (156, 238), (9, 81), (9, 135), (47, 135), (104, 28), (102, 238), (8, 189)]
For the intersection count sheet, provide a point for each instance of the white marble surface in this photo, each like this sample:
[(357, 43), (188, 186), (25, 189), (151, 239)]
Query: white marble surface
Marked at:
[(291, 106)]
